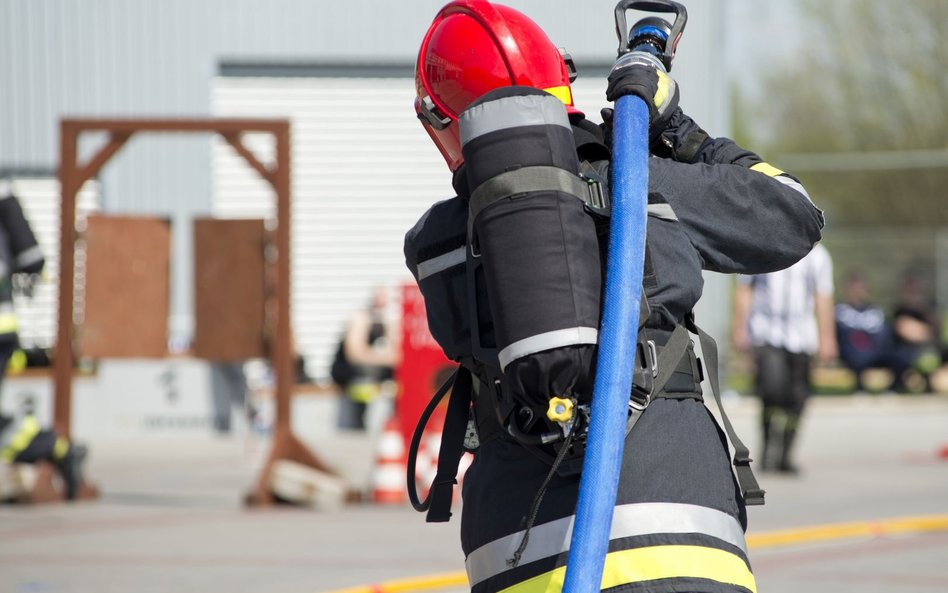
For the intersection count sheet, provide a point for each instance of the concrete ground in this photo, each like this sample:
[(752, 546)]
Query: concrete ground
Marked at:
[(170, 518)]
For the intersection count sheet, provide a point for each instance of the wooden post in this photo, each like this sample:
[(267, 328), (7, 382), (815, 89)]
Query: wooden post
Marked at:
[(72, 176)]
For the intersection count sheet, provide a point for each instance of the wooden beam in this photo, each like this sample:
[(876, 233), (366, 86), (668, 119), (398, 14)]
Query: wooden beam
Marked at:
[(219, 125), (115, 143), (63, 360), (236, 142)]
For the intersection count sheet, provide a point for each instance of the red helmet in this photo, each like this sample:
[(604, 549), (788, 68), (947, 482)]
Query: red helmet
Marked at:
[(473, 47)]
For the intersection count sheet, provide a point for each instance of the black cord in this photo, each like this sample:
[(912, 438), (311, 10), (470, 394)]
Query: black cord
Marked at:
[(420, 505), (535, 506)]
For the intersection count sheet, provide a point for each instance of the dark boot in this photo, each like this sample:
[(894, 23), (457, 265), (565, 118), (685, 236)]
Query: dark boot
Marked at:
[(786, 466), (766, 437), (70, 468)]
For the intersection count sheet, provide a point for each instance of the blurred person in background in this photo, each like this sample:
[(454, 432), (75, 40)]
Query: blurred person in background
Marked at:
[(365, 359), (916, 331), (786, 317), (862, 330), (22, 438)]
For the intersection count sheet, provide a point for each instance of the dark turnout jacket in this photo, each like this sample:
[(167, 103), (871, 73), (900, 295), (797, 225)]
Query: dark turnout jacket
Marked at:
[(680, 518), (726, 210)]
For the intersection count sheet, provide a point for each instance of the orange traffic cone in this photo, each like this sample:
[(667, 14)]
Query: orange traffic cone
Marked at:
[(426, 462), (388, 478)]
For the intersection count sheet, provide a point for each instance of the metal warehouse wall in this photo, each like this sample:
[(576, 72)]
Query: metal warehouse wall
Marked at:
[(147, 58)]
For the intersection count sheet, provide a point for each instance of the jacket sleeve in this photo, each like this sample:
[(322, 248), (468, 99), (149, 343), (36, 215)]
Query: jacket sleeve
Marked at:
[(741, 214), (744, 216)]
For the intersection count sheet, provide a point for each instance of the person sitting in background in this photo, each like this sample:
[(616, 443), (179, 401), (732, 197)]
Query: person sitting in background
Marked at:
[(915, 329), (862, 330)]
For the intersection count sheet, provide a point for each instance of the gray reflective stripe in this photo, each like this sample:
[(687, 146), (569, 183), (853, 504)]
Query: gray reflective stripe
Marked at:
[(550, 539), (512, 112), (540, 342), (791, 182), (29, 256), (663, 211), (441, 262), (539, 178)]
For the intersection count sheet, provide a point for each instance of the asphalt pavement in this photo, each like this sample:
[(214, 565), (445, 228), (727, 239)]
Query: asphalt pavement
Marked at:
[(171, 518)]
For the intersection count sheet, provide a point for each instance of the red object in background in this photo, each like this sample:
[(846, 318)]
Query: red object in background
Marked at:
[(422, 368)]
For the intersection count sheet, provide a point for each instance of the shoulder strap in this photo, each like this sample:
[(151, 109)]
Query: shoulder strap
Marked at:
[(750, 490)]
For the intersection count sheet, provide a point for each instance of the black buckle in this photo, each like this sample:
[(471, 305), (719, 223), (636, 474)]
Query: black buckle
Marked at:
[(431, 115), (570, 64), (643, 378)]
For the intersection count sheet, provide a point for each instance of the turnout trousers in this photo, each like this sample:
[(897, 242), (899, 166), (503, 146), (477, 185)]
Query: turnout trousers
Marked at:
[(678, 525)]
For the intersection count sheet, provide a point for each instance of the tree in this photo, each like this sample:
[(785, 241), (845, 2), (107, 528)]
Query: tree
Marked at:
[(869, 76)]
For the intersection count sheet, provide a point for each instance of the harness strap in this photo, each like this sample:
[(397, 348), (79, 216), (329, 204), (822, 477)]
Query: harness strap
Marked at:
[(666, 364), (438, 501), (538, 178), (750, 489), (451, 450)]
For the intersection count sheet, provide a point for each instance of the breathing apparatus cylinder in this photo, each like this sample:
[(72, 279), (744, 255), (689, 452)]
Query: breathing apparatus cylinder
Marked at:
[(537, 244)]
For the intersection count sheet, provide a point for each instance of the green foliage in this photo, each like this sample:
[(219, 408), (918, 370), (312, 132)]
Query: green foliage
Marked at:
[(869, 76)]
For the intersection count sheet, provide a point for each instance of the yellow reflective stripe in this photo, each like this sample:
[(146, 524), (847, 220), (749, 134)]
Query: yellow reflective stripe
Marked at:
[(29, 428), (60, 448), (652, 563), (767, 169), (7, 323), (563, 93), (664, 83)]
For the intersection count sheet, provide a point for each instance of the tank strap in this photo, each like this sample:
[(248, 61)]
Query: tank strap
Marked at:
[(750, 489), (531, 179)]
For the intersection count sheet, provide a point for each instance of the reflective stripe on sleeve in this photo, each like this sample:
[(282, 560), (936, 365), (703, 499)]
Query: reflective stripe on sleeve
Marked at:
[(793, 184), (771, 171), (767, 169), (570, 336), (663, 211), (640, 565), (441, 262), (629, 520)]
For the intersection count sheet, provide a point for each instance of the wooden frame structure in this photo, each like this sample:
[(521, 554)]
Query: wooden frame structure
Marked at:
[(72, 175)]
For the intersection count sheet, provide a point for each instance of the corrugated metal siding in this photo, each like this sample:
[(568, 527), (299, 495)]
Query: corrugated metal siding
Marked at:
[(364, 171), (147, 58), (40, 199)]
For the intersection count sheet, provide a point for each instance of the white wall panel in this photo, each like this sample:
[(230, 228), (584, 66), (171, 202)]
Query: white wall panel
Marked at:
[(364, 171)]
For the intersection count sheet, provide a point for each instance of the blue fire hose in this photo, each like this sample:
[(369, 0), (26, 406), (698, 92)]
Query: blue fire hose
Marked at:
[(618, 335)]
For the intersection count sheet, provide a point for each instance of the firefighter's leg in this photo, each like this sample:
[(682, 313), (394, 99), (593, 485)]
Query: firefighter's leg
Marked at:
[(678, 524)]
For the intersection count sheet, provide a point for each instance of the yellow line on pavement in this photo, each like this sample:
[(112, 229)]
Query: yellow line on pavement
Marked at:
[(757, 541), (818, 533), (409, 585)]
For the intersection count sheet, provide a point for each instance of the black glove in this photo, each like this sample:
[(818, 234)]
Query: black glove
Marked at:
[(682, 139), (656, 88)]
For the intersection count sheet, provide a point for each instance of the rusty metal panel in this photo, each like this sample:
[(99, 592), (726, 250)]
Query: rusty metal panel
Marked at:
[(229, 293), (126, 287)]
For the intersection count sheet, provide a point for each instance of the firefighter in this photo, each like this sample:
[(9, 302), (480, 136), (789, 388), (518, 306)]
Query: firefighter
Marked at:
[(22, 438), (680, 513)]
